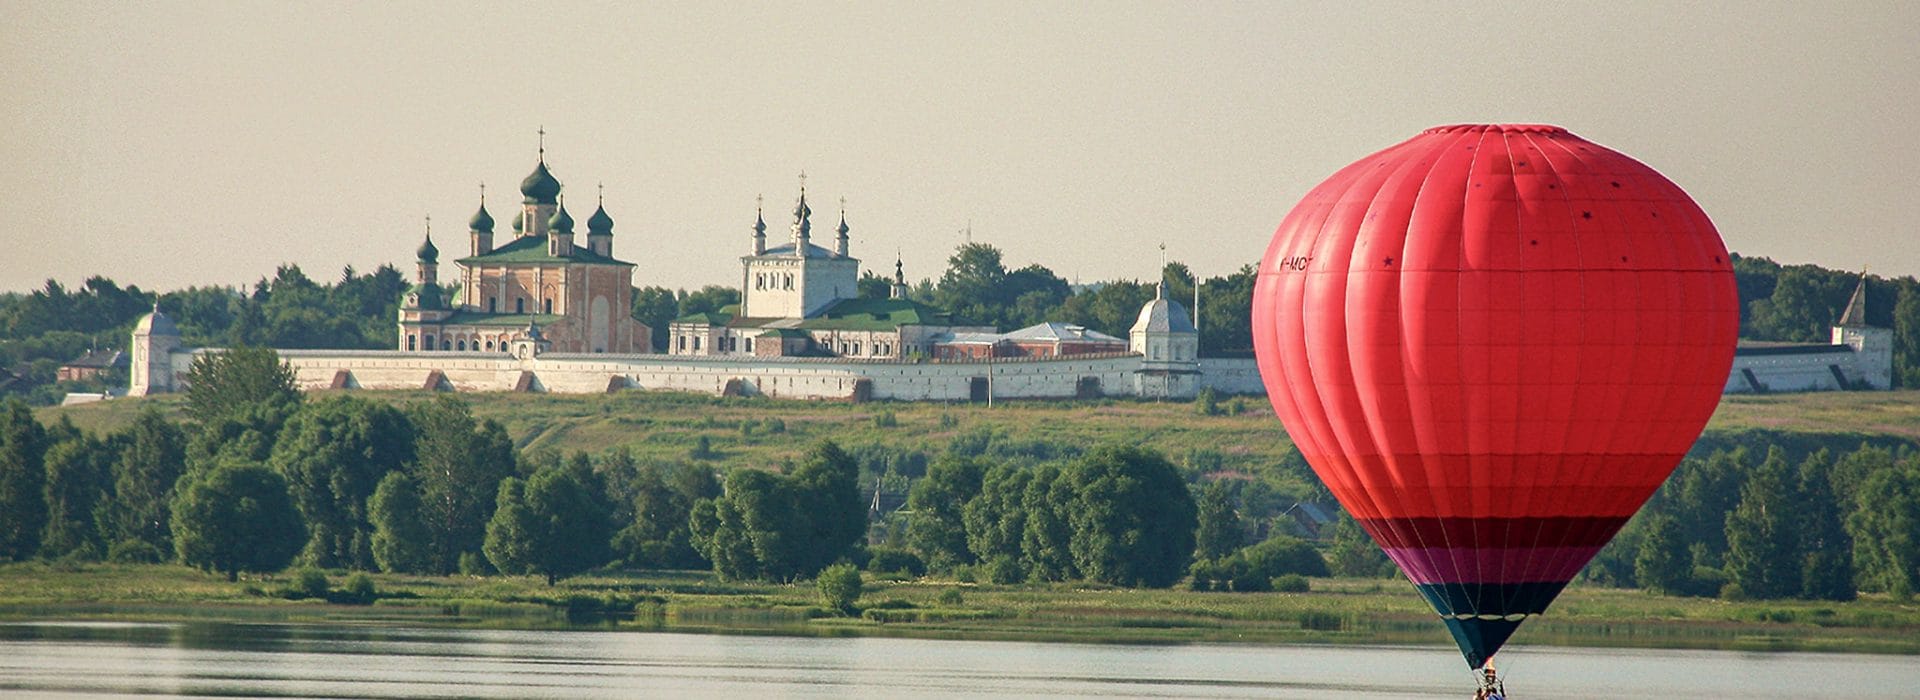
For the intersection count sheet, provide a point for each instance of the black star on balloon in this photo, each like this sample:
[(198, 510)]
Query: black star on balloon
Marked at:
[(1388, 261)]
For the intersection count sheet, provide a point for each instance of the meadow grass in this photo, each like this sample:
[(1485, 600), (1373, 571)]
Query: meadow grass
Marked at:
[(1336, 611), (667, 425)]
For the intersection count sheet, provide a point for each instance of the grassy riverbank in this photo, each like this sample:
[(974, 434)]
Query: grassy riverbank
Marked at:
[(1337, 611)]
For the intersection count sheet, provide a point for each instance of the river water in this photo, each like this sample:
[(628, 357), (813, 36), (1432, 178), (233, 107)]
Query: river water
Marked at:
[(97, 660)]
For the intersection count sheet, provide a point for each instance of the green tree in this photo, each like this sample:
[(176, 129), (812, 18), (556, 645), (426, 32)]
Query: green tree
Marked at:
[(333, 454), (1219, 532), (1826, 571), (77, 481), (1906, 335), (1281, 555), (1353, 552), (153, 458), (237, 517), (400, 536), (839, 586), (1763, 547), (458, 465), (1886, 530), (995, 519), (23, 505), (1046, 543), (656, 307), (827, 497), (514, 533), (573, 518), (754, 530), (220, 384), (1662, 564), (1132, 518), (709, 298), (936, 528)]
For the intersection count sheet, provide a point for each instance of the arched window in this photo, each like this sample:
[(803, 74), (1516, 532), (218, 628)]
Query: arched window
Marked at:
[(444, 345), (489, 346), (461, 345), (549, 306), (411, 341), (493, 305), (429, 343), (520, 305)]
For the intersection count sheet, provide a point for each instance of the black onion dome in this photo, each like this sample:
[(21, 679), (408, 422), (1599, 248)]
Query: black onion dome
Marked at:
[(481, 221), (540, 187), (600, 222)]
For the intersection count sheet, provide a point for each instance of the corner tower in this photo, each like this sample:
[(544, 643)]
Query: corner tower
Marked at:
[(1872, 346), (154, 340)]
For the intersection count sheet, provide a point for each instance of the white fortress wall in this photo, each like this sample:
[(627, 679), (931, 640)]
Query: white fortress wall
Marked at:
[(1231, 375), (1805, 371), (800, 378)]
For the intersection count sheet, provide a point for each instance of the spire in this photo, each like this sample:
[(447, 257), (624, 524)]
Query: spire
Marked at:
[(540, 187), (840, 241), (1856, 314), (759, 226), (428, 253), (482, 222), (600, 224), (802, 221), (899, 269)]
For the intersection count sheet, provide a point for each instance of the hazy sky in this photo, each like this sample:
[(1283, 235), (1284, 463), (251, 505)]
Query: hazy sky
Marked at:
[(168, 144)]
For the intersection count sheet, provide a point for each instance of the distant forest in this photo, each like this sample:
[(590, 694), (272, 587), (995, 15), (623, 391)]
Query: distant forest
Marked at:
[(42, 329)]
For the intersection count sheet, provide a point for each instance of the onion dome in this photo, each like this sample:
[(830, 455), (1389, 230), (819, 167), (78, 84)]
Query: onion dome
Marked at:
[(843, 225), (561, 221), (481, 221), (600, 223), (156, 323), (427, 252), (540, 187), (759, 223)]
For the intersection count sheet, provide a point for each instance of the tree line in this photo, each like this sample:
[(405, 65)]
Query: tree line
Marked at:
[(1762, 522)]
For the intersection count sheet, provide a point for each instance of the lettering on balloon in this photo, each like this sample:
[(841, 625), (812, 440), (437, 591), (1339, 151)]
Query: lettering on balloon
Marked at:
[(1294, 264)]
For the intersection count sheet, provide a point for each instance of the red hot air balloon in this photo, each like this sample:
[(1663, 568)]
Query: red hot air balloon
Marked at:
[(1493, 343)]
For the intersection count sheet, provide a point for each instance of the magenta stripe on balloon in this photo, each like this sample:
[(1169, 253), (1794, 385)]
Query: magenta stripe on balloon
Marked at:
[(1504, 565)]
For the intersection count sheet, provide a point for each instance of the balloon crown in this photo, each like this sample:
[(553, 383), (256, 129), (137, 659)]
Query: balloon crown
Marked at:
[(1502, 128)]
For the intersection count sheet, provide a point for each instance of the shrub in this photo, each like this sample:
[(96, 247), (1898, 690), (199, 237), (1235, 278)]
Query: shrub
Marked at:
[(133, 551), (1005, 569), (359, 589), (474, 564), (885, 419), (889, 559), (839, 587), (1291, 583), (951, 597), (948, 421), (307, 583)]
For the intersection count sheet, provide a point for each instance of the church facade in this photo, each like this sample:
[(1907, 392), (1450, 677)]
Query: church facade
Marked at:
[(544, 284), (799, 299)]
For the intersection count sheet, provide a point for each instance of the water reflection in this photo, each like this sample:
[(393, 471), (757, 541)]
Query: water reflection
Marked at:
[(278, 660)]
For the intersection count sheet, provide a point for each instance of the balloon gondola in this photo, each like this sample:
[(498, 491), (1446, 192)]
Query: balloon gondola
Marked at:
[(1493, 343)]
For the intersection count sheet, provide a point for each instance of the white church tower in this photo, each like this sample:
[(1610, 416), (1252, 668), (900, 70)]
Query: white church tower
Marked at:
[(1169, 348), (1872, 347), (154, 340), (799, 279)]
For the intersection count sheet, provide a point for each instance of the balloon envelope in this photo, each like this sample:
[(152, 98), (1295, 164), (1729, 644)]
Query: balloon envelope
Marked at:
[(1493, 343)]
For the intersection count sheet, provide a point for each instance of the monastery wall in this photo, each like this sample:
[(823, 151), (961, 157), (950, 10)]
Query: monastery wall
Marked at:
[(1817, 371), (1232, 376)]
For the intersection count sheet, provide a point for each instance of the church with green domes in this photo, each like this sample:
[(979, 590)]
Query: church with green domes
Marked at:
[(544, 288)]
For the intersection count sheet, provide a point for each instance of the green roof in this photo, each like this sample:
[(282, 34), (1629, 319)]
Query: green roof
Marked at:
[(532, 250), (879, 315), (711, 318), (783, 333), (475, 318)]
